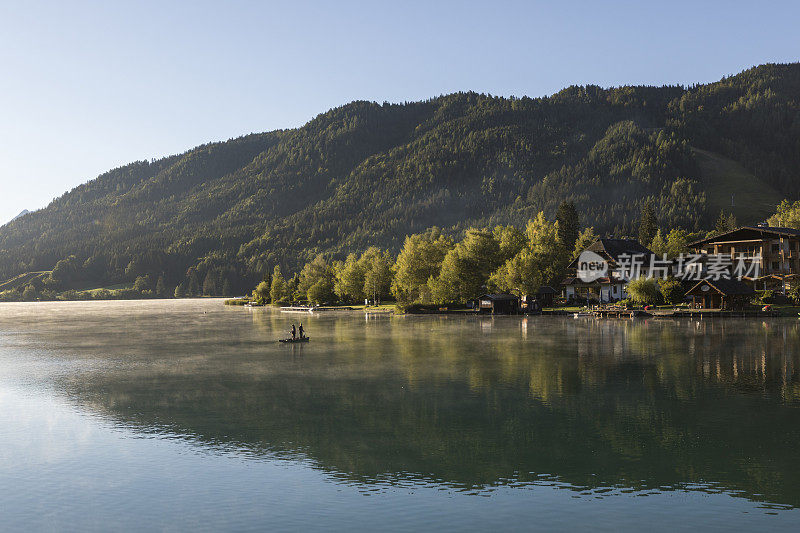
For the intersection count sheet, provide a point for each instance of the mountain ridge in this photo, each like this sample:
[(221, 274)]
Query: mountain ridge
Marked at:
[(20, 214), (366, 174)]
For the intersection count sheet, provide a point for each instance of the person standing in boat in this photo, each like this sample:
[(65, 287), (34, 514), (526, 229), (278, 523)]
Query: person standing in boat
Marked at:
[(294, 332), (301, 331)]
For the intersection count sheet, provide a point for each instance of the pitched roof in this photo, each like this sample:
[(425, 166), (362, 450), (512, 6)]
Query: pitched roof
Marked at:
[(497, 297), (726, 287), (617, 247), (546, 289), (599, 281), (611, 249), (762, 231)]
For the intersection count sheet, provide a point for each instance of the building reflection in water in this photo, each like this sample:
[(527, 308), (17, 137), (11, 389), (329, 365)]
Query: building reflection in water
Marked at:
[(481, 401)]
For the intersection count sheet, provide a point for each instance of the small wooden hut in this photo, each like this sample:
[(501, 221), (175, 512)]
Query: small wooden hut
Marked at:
[(726, 294), (497, 304)]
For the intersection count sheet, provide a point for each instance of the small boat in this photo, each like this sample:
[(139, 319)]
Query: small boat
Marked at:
[(582, 314), (298, 339)]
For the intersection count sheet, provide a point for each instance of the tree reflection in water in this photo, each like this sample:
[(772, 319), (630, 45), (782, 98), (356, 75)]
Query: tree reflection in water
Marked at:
[(465, 401)]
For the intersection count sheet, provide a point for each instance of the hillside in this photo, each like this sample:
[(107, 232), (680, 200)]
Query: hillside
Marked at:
[(753, 199), (368, 174)]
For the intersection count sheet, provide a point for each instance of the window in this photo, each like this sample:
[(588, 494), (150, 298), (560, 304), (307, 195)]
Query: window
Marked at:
[(775, 265), (776, 247)]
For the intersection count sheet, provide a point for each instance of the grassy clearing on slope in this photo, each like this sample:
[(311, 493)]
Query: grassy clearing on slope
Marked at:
[(754, 200), (20, 281), (117, 287)]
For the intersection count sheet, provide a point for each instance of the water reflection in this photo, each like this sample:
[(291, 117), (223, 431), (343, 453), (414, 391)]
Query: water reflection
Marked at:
[(473, 403)]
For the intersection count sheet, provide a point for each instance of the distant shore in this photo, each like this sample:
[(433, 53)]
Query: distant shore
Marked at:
[(658, 312)]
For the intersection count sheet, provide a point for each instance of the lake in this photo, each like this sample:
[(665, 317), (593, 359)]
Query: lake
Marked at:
[(186, 414)]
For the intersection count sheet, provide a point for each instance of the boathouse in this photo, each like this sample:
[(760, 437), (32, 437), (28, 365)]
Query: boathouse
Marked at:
[(543, 298), (725, 294), (498, 304), (545, 295)]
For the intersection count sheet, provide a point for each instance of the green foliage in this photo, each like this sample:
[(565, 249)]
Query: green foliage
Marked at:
[(210, 283), (65, 271), (321, 291), (586, 238), (644, 291), (648, 225), (540, 262), (568, 224), (227, 289), (350, 279), (725, 223), (419, 260), (193, 287), (161, 288), (466, 268), (378, 272), (510, 240), (677, 243), (262, 292), (29, 293), (279, 291), (369, 174), (316, 282), (180, 291), (794, 294), (764, 297), (671, 291), (659, 244), (787, 215), (626, 303), (142, 283)]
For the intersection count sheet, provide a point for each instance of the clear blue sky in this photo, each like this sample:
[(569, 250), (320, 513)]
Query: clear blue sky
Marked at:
[(87, 86)]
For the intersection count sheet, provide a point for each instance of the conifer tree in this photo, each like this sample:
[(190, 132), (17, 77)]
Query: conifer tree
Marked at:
[(193, 288), (648, 225), (279, 290), (568, 224), (180, 290), (161, 288), (210, 284)]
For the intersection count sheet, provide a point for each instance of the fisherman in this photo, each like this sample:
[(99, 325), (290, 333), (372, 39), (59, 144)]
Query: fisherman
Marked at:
[(294, 332), (301, 330)]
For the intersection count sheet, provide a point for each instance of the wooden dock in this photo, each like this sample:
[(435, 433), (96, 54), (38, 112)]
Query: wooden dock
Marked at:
[(715, 313), (677, 313), (378, 312), (621, 313), (314, 309)]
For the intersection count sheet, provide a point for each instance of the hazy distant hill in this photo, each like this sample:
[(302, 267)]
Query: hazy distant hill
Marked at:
[(367, 173), (21, 213)]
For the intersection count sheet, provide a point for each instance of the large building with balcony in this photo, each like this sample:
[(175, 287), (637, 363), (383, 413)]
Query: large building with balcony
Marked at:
[(778, 248)]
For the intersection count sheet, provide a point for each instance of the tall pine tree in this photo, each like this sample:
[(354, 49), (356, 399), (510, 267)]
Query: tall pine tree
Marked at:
[(648, 225), (725, 223), (568, 224)]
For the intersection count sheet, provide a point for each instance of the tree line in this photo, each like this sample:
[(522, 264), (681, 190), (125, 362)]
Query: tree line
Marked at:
[(432, 268), (369, 174)]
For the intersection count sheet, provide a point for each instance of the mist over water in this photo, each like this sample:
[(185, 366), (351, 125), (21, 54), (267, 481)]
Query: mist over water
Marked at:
[(188, 413)]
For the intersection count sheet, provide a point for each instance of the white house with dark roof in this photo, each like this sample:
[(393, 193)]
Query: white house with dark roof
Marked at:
[(610, 287)]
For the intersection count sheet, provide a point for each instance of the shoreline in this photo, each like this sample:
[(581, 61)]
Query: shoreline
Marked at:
[(387, 310)]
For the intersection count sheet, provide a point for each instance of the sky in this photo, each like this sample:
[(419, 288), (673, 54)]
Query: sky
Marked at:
[(89, 86)]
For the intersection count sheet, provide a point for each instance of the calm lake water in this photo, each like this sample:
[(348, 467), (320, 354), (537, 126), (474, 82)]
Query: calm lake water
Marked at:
[(188, 415)]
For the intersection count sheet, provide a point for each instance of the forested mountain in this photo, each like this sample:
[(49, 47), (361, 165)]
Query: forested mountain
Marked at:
[(368, 174)]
